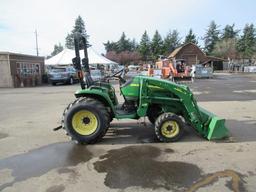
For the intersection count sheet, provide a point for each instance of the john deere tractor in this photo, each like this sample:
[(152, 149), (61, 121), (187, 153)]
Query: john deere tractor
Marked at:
[(167, 105)]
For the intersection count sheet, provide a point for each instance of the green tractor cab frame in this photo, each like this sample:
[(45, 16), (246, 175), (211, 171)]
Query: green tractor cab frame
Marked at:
[(167, 105)]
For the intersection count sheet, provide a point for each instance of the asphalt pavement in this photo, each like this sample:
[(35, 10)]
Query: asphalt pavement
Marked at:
[(129, 158)]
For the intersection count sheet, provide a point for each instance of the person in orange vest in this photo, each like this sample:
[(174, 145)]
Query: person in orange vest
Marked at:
[(150, 70)]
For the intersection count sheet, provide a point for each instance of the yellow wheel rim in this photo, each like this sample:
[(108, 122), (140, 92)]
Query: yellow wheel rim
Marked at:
[(170, 129), (84, 122)]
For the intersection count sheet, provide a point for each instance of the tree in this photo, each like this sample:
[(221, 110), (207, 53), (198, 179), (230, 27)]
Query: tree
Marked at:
[(78, 27), (211, 37), (110, 46), (156, 45), (144, 47), (191, 38), (124, 51), (123, 44), (229, 32), (171, 42), (124, 57), (57, 49), (134, 45), (69, 41), (246, 45), (226, 48)]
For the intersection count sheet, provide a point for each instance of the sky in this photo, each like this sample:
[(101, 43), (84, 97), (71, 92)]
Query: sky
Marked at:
[(107, 19)]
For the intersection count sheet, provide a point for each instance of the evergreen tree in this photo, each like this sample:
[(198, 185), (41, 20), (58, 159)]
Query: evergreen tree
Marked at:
[(124, 51), (123, 44), (78, 27), (144, 47), (134, 45), (57, 49), (191, 38), (156, 45), (229, 32), (110, 46), (171, 42), (69, 41), (211, 37), (246, 45)]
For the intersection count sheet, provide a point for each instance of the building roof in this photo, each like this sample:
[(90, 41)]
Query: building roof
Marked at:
[(177, 50), (208, 58), (20, 54), (213, 58)]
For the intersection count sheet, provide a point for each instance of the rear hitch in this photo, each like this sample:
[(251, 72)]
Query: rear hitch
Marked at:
[(57, 128)]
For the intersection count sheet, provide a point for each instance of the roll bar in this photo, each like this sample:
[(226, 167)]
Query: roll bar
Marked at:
[(81, 43)]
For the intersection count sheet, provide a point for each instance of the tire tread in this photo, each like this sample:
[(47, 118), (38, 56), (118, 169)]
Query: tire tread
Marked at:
[(159, 122), (92, 102)]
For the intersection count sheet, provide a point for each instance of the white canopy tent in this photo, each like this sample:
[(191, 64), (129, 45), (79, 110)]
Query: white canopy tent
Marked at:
[(65, 58)]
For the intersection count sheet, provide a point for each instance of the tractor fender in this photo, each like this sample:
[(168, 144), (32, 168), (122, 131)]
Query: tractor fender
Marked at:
[(99, 95)]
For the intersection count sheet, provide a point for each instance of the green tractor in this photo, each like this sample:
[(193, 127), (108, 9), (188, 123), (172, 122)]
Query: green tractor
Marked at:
[(167, 105)]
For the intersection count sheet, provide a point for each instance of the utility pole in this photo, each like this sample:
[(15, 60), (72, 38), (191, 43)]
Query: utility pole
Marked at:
[(37, 53)]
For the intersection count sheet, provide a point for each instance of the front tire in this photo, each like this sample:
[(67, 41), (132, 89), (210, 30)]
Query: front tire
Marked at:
[(153, 113), (71, 81), (86, 121), (169, 127)]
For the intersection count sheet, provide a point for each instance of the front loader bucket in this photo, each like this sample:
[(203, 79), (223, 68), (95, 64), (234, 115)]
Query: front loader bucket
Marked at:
[(217, 129), (215, 126)]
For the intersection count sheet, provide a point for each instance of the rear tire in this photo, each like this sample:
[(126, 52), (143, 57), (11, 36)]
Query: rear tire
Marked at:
[(169, 127), (86, 120)]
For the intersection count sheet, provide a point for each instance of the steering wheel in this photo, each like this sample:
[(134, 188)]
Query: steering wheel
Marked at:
[(119, 74)]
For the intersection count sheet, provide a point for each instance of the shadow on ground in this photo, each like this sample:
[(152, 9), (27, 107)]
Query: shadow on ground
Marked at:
[(133, 132)]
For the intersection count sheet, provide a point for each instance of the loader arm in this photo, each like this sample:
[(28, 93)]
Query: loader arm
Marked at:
[(205, 123)]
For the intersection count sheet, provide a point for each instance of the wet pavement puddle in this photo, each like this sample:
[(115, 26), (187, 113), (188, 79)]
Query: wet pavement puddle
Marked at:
[(125, 167), (137, 166), (3, 135), (42, 160)]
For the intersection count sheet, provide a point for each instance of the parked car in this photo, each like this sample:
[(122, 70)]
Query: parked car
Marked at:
[(65, 75), (96, 75)]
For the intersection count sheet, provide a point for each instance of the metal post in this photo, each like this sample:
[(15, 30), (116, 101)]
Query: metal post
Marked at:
[(37, 53)]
